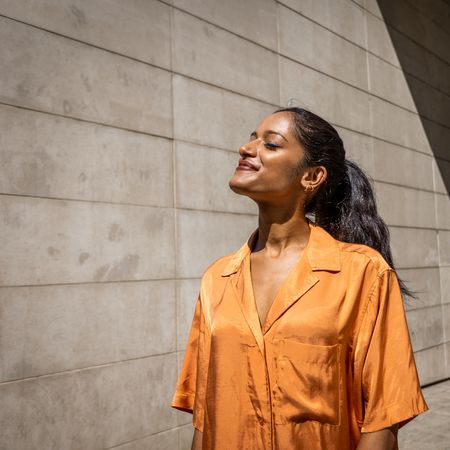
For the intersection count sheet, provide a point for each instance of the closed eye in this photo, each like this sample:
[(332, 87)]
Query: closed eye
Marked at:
[(271, 146)]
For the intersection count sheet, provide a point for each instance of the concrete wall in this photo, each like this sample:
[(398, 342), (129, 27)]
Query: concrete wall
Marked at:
[(121, 123)]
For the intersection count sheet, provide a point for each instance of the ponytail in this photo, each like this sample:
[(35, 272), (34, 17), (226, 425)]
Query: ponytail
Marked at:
[(344, 204)]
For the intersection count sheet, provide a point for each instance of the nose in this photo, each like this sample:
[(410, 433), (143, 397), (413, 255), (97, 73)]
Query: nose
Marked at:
[(248, 149)]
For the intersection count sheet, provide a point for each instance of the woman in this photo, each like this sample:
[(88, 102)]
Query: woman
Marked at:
[(299, 339)]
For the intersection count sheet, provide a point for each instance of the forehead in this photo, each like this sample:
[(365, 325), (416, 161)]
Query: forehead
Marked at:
[(280, 122)]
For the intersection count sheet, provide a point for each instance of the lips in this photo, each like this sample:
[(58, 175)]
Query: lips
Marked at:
[(246, 165)]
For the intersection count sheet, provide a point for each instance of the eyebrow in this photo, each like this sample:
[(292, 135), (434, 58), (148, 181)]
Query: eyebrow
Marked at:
[(255, 134)]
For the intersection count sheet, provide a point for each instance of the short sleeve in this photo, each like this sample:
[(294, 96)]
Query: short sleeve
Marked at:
[(190, 390), (389, 384)]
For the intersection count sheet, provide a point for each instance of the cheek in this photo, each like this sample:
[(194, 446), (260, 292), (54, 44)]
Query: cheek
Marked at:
[(282, 168)]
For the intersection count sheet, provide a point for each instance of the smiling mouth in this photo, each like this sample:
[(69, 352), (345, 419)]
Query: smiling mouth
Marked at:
[(244, 165), (246, 168)]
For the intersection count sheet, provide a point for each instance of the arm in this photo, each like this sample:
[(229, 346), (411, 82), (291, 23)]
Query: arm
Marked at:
[(197, 440), (385, 439)]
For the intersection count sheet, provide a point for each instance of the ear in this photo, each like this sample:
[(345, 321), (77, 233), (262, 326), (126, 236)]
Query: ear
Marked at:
[(314, 177)]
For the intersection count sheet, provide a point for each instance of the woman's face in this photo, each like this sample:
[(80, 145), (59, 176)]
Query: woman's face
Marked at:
[(268, 167)]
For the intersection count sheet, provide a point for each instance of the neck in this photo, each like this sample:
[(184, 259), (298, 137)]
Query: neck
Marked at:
[(280, 231)]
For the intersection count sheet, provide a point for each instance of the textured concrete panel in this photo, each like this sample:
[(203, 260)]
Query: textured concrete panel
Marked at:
[(303, 40), (208, 53), (254, 19), (406, 19), (372, 6), (166, 440), (399, 165), (422, 64), (379, 40), (425, 327), (139, 28), (89, 409), (405, 206), (447, 357), (358, 148), (443, 211), (398, 126), (429, 431), (202, 180), (429, 364), (187, 292), (441, 171), (58, 75), (224, 120), (389, 82), (335, 101), (341, 16), (204, 237), (445, 285), (435, 10), (426, 283), (414, 247), (186, 434), (50, 156), (433, 104), (50, 329), (54, 241), (416, 59), (439, 137), (445, 312), (444, 247)]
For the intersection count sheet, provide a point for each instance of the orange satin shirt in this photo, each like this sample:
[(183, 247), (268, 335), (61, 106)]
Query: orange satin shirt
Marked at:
[(333, 358)]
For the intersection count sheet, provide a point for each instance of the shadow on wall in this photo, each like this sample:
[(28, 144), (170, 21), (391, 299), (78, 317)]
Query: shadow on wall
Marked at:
[(420, 34)]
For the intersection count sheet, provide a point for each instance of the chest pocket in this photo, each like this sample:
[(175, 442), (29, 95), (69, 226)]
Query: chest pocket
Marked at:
[(308, 382)]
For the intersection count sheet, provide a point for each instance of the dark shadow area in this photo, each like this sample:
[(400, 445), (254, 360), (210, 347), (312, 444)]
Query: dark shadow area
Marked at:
[(420, 33)]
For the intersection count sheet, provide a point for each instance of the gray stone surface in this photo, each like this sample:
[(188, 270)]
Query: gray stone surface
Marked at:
[(430, 365), (75, 326), (205, 236), (338, 57), (335, 101), (54, 74), (70, 159), (417, 170), (430, 430), (427, 283), (89, 409), (379, 41), (166, 440), (242, 18), (222, 119), (414, 247), (399, 126), (343, 17), (202, 179), (57, 241), (211, 54), (145, 36), (398, 205)]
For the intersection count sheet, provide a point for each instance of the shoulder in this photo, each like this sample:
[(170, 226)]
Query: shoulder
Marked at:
[(217, 266), (360, 255)]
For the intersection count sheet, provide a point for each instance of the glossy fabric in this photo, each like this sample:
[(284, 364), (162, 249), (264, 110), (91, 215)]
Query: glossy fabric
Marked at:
[(333, 358)]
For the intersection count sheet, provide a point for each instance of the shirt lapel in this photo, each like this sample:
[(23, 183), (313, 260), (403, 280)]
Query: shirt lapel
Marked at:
[(321, 253)]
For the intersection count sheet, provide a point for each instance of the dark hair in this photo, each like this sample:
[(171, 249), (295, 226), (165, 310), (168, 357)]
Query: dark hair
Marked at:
[(344, 204)]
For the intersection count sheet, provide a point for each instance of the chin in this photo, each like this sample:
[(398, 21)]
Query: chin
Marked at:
[(237, 187)]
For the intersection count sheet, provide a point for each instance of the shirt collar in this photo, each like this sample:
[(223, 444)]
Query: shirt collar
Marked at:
[(322, 251)]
